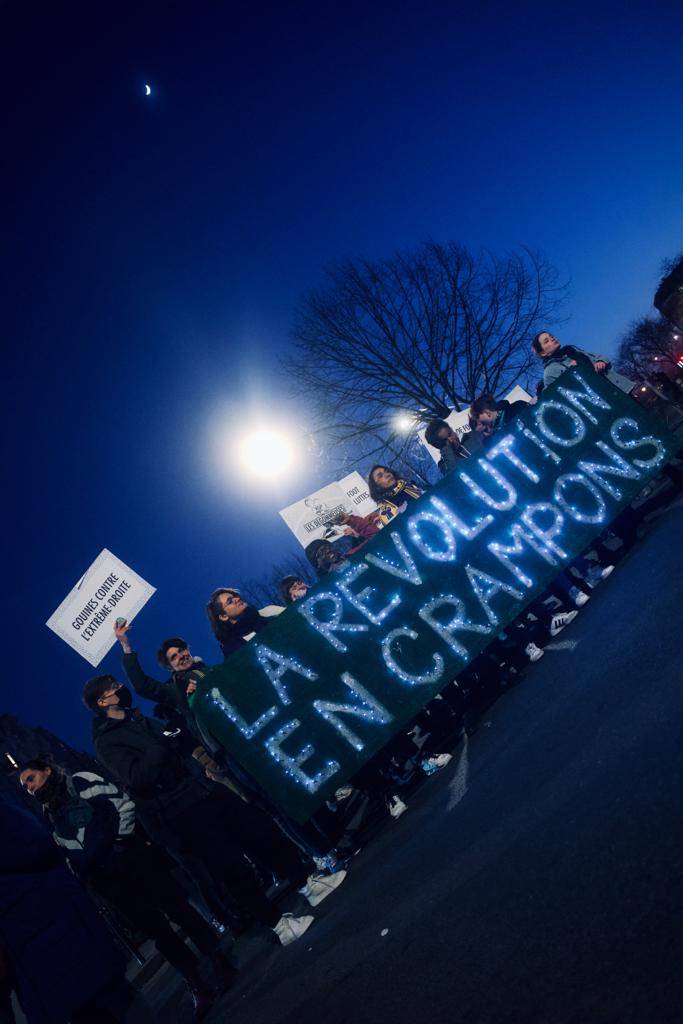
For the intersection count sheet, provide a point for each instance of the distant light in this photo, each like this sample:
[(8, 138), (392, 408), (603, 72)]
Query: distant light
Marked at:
[(265, 454), (148, 90), (404, 422), (675, 337), (643, 388)]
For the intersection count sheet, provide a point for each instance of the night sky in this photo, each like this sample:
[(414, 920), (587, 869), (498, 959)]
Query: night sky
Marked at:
[(154, 249)]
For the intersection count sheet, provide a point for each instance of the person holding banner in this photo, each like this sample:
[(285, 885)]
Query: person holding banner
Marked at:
[(440, 435), (175, 697), (392, 493), (233, 621), (190, 820), (557, 358), (174, 655), (313, 836), (293, 588), (324, 557), (488, 416)]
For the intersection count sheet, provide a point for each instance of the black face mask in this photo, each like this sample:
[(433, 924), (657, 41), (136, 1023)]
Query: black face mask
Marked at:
[(125, 697), (51, 790)]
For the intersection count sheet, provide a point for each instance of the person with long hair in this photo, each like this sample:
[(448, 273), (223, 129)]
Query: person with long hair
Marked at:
[(392, 492), (233, 621)]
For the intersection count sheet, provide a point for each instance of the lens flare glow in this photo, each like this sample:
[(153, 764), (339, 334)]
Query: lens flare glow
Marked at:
[(404, 422), (265, 454)]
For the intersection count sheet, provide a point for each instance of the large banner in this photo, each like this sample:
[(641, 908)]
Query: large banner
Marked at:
[(109, 589), (312, 517), (328, 682)]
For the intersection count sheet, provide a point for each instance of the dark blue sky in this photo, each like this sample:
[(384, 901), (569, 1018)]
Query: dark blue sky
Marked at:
[(154, 248)]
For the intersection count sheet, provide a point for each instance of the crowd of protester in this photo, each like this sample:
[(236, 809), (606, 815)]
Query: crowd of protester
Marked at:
[(170, 796)]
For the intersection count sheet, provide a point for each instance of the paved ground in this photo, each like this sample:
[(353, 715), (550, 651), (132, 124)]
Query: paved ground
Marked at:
[(537, 879)]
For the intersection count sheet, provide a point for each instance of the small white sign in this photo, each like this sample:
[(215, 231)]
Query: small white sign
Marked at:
[(459, 422), (108, 590), (311, 518)]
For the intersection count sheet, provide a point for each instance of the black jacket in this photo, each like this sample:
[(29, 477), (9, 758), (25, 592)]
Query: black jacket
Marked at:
[(507, 411), (171, 693), (233, 635), (452, 457), (148, 765)]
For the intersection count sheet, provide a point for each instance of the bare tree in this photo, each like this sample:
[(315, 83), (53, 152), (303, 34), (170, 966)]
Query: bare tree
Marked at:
[(670, 264), (669, 295), (265, 590), (650, 347), (420, 333)]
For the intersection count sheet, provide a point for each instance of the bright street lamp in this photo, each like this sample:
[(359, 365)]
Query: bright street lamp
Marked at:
[(404, 422)]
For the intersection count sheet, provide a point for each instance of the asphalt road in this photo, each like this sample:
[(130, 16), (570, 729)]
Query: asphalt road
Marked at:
[(537, 879)]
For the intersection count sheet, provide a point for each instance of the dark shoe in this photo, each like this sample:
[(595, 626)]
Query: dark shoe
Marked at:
[(471, 723), (223, 972), (347, 851), (202, 1000)]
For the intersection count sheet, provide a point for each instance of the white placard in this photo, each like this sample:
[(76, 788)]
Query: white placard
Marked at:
[(309, 519), (518, 394), (108, 590), (460, 421)]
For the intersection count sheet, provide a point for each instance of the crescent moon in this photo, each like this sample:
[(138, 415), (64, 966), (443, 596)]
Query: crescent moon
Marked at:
[(148, 91)]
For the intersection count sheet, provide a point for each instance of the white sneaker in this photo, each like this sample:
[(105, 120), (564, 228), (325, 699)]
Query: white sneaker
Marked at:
[(290, 928), (533, 652), (594, 577), (578, 597), (328, 864), (319, 887), (343, 792), (432, 764), (396, 806), (559, 621)]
